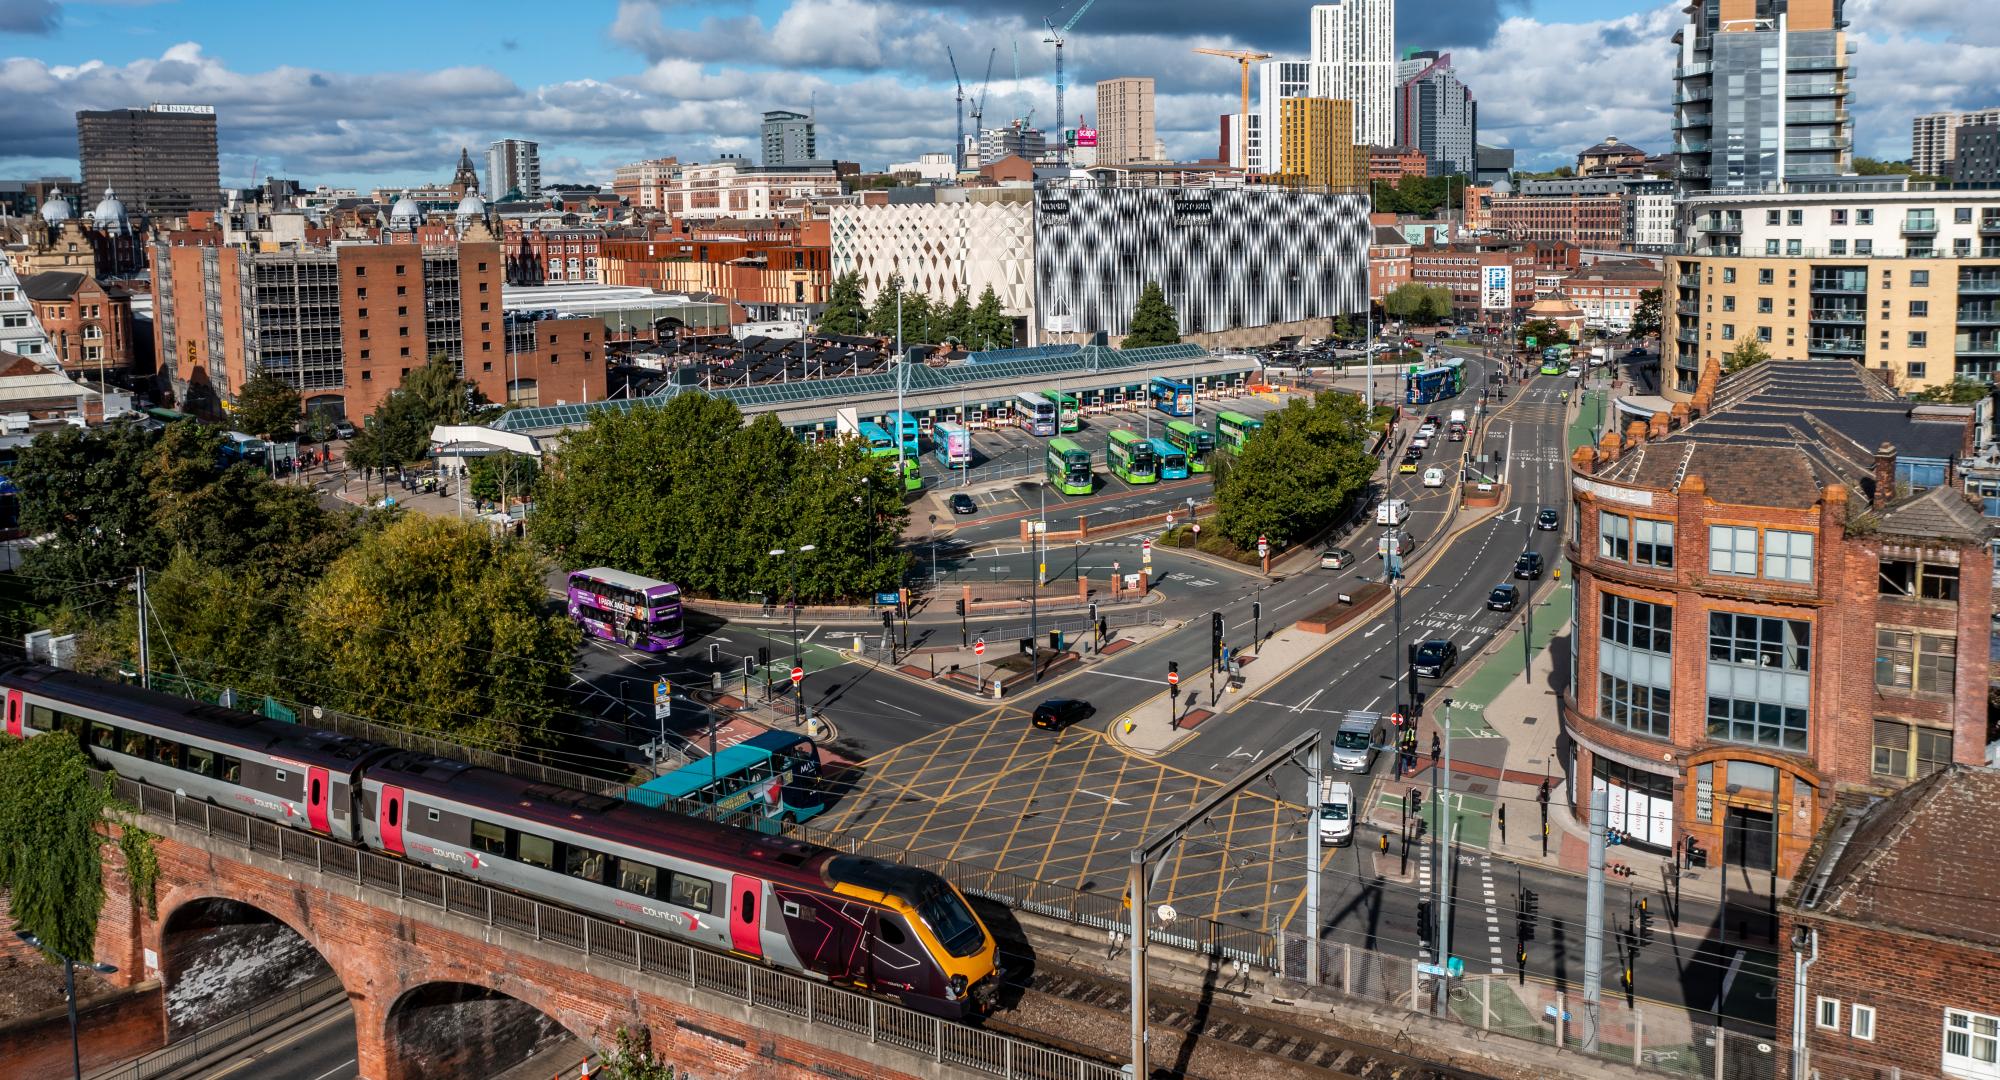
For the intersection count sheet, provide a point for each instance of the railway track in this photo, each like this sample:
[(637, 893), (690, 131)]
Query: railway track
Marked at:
[(1212, 1040)]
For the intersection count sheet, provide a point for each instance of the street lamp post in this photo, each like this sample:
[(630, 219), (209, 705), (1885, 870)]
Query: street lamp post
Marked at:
[(69, 994), (798, 689)]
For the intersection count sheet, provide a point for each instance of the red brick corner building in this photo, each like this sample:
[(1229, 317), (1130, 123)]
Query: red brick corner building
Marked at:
[(1891, 939), (1772, 585)]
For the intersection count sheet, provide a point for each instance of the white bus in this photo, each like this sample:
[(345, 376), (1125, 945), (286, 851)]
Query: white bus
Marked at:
[(1037, 414), (954, 444)]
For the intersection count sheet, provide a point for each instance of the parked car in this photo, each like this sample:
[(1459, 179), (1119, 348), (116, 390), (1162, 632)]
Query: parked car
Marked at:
[(1335, 558), (343, 429), (1548, 519), (1056, 714), (1529, 565), (961, 503), (1503, 597), (1433, 658), (1433, 477)]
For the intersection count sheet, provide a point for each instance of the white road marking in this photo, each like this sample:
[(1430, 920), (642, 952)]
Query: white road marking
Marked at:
[(1106, 798), (898, 708)]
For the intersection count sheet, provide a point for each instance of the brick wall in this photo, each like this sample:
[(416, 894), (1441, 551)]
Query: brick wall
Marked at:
[(112, 1028)]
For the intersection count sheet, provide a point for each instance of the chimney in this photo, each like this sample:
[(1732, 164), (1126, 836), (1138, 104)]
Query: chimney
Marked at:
[(1635, 433), (1885, 476)]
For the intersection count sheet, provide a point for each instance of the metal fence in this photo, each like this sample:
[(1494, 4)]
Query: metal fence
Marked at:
[(758, 987), (226, 1032)]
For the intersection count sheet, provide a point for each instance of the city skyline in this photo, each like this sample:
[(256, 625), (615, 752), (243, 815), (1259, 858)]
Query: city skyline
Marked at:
[(638, 79)]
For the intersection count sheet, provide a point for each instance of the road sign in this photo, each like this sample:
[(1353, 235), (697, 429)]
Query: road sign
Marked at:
[(1146, 546), (1396, 718), (1173, 678), (663, 699), (979, 647), (888, 599), (1263, 547), (798, 675)]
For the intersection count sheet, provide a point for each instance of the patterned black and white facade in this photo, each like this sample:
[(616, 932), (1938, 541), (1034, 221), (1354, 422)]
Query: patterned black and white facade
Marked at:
[(1226, 257)]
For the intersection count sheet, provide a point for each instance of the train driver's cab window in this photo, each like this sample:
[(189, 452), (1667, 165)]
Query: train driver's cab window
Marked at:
[(890, 932)]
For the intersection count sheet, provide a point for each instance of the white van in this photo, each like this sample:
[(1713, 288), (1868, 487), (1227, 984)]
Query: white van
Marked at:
[(1395, 542), (1354, 744), (1392, 512), (1433, 477), (1336, 811), (1457, 416)]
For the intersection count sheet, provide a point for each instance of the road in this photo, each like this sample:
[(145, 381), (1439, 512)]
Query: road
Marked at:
[(312, 1046)]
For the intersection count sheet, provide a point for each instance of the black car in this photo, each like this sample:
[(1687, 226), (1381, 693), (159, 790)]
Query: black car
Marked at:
[(1503, 597), (1433, 658), (961, 503), (1529, 565), (1548, 519), (1056, 714)]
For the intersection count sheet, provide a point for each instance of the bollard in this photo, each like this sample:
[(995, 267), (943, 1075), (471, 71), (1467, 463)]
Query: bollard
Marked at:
[(1128, 727)]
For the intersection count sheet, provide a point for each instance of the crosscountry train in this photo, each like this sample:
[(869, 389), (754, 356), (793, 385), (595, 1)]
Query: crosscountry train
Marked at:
[(850, 920)]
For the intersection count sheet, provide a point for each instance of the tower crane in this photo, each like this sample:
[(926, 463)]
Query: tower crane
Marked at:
[(1243, 60), (1056, 38), (957, 148), (979, 104)]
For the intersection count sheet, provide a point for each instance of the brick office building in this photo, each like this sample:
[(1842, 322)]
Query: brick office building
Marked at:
[(1591, 220), (1462, 268), (89, 323), (344, 324), (1770, 605), (1893, 910)]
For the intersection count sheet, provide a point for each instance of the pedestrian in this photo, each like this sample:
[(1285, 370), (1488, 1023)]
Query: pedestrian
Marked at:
[(1437, 748)]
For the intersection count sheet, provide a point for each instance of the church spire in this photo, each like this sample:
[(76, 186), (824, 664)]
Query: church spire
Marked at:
[(466, 180)]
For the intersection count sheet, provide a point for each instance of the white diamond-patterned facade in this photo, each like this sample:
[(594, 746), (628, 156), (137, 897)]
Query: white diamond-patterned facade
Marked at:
[(1226, 258), (940, 249)]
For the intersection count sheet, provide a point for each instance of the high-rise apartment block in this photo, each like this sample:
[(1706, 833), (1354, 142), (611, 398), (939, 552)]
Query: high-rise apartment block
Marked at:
[(1977, 157), (1125, 120), (1276, 80), (1761, 94), (1934, 137), (161, 159), (1354, 59), (789, 138), (1436, 114), (514, 166), (1319, 151)]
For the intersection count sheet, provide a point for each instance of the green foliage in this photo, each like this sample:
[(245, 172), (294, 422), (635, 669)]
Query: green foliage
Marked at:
[(399, 432), (1421, 196), (633, 1059), (86, 494), (1955, 392), (267, 406), (845, 314), (688, 493), (142, 866), (1154, 321), (1868, 166), (990, 327), (438, 625), (1646, 317), (1296, 476), (917, 329), (1560, 172), (504, 475), (958, 320), (882, 317), (1545, 333), (1748, 354), (1345, 329), (1424, 304), (50, 857)]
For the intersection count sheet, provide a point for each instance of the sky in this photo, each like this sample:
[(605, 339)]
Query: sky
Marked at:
[(369, 93)]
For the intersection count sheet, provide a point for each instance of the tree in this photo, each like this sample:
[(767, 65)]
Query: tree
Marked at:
[(439, 625), (1345, 330), (502, 475), (1296, 476), (990, 328), (917, 318), (1646, 318), (1748, 354), (1868, 166), (51, 861), (1955, 392), (1418, 303), (882, 317), (1154, 321), (958, 319), (85, 494), (1544, 332), (399, 432), (268, 406), (633, 1059), (845, 314)]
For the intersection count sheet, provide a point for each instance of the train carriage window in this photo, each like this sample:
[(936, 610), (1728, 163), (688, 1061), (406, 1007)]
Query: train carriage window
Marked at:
[(395, 813), (232, 770), (167, 752), (583, 863), (75, 725), (491, 839), (41, 718), (132, 743), (201, 762), (433, 814), (535, 850), (691, 892), (637, 877), (104, 736)]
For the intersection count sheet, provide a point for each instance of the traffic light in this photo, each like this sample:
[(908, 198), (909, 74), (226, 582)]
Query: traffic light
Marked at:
[(1173, 667), (1645, 924), (1426, 922), (961, 607), (763, 656), (886, 617), (1093, 611), (1256, 609), (1055, 641), (1530, 913), (1215, 635), (746, 667)]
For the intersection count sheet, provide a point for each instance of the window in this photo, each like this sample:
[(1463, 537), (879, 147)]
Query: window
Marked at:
[(691, 892), (1729, 275), (535, 850), (491, 839), (399, 269), (1766, 277), (1909, 659), (1763, 333), (1920, 278), (1729, 331), (1864, 217), (1864, 1022), (1770, 217), (637, 877), (360, 271), (1840, 217), (1771, 246), (1908, 577), (1759, 685), (1829, 1013), (1614, 536), (1788, 556), (1729, 303), (1971, 1044), (1864, 247), (1919, 339), (1898, 745), (1792, 247), (1961, 215), (1732, 550), (1920, 309), (1836, 247), (1763, 305), (1653, 542), (583, 863), (1635, 664), (1918, 370)]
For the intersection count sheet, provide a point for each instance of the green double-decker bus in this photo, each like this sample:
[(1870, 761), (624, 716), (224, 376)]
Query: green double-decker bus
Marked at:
[(1069, 467), (1130, 457), (1233, 429), (1068, 417), (1195, 442)]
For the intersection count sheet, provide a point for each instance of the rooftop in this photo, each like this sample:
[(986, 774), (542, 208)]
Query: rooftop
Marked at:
[(1921, 861)]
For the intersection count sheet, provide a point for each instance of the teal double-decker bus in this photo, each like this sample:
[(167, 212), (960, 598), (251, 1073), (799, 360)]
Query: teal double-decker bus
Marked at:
[(1233, 429), (1130, 457), (1069, 467), (906, 426), (1197, 443), (1068, 417), (1173, 463)]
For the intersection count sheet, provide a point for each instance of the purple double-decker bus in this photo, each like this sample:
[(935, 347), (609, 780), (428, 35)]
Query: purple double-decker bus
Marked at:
[(616, 606)]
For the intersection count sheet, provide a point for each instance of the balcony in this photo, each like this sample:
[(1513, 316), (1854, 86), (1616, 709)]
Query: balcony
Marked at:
[(1819, 142), (1853, 346), (1815, 63), (1984, 285), (1688, 95), (1689, 168), (1699, 67), (1689, 281), (1691, 146), (1687, 309), (1689, 335), (1837, 315), (1989, 226), (1694, 120), (1979, 315), (1719, 223), (1920, 226)]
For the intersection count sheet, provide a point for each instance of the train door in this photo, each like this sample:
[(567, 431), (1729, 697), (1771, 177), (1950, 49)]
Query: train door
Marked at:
[(319, 797), (14, 713), (743, 891), (389, 816)]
